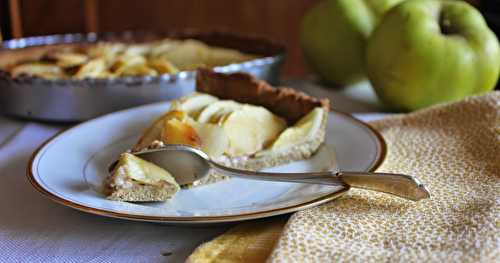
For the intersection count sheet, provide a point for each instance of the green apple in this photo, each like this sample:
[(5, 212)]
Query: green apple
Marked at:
[(333, 37), (427, 51)]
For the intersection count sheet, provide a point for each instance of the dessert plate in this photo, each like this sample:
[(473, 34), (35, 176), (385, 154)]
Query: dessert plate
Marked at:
[(70, 168)]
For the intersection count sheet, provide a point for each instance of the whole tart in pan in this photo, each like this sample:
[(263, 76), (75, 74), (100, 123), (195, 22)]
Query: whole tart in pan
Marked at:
[(69, 91)]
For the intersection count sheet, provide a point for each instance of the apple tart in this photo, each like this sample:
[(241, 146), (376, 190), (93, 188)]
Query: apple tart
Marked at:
[(238, 121)]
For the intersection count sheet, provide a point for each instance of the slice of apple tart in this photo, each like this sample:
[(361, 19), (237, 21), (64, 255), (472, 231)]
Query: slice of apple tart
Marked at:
[(239, 122)]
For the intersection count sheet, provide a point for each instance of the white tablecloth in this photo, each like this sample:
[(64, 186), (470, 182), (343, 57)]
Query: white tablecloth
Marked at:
[(35, 229)]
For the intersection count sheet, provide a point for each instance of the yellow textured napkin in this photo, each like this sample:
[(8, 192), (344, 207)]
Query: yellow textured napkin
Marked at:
[(247, 242), (454, 149)]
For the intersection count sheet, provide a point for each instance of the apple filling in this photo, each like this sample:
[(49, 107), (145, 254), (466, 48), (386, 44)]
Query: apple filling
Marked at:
[(225, 127)]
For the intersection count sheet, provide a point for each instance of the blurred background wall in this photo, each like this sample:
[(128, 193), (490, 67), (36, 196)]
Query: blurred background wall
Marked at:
[(278, 19)]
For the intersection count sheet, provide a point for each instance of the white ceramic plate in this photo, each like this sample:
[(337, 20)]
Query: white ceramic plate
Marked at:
[(70, 168)]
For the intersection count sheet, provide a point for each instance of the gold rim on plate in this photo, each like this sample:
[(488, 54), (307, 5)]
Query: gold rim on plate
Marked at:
[(206, 219)]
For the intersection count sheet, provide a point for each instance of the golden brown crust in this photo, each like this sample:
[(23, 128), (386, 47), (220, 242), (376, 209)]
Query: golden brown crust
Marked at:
[(143, 193), (244, 88), (9, 57)]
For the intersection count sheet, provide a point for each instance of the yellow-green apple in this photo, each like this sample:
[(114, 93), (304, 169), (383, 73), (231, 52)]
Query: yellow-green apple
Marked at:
[(333, 37), (427, 51)]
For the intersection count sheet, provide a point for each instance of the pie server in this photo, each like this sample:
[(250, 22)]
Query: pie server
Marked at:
[(188, 165)]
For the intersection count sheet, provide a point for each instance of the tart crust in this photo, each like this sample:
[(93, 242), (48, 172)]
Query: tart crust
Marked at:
[(285, 102), (9, 58), (142, 192)]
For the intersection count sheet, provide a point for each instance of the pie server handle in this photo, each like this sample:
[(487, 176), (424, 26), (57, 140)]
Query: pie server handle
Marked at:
[(401, 185)]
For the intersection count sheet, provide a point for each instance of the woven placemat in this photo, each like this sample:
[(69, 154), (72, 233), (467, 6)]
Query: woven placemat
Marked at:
[(453, 148)]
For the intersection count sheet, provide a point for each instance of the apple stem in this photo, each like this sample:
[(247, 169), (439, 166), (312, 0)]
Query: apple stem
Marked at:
[(445, 25)]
